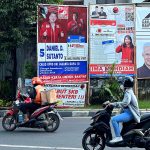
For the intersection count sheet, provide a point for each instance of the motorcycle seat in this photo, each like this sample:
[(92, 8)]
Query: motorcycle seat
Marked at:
[(145, 116)]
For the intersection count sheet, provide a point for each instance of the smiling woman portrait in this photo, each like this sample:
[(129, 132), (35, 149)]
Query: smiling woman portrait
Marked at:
[(127, 50)]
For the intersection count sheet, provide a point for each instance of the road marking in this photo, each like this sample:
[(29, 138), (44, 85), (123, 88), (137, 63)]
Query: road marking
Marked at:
[(40, 147)]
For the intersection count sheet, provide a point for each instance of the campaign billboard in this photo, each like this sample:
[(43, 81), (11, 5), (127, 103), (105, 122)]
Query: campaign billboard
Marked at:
[(112, 40), (69, 95), (143, 42), (62, 47)]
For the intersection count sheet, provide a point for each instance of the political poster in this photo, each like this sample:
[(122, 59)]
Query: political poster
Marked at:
[(69, 95), (142, 21), (143, 42), (112, 40), (62, 47)]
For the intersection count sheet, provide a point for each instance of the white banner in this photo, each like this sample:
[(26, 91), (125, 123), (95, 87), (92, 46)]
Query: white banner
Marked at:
[(142, 19), (69, 95)]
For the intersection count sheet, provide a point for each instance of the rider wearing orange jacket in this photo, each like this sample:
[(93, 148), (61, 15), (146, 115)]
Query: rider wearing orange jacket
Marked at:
[(35, 95)]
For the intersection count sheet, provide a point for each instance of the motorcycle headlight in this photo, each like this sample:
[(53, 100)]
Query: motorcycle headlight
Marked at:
[(91, 121), (17, 102), (95, 119)]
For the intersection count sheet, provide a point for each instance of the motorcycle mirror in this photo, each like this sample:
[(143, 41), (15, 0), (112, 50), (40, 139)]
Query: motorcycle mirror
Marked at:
[(105, 104)]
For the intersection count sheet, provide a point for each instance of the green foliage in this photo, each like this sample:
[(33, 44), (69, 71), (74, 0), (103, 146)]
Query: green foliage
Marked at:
[(6, 90), (109, 90), (17, 21), (29, 70), (18, 25), (5, 103), (3, 56)]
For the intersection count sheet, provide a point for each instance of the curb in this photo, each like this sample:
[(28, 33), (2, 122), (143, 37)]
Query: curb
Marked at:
[(77, 113)]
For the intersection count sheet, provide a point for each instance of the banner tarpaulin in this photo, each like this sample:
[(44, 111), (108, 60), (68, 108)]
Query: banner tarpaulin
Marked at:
[(111, 39), (62, 44), (143, 42), (69, 95)]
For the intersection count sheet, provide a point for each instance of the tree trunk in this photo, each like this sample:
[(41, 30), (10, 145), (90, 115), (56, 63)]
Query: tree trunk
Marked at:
[(14, 71)]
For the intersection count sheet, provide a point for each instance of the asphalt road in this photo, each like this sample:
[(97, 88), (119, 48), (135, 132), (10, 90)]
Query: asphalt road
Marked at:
[(67, 137)]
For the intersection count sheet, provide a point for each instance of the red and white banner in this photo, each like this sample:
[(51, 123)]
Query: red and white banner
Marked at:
[(111, 40), (69, 95)]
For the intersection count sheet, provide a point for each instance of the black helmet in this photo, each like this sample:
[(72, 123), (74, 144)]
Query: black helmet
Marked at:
[(128, 82)]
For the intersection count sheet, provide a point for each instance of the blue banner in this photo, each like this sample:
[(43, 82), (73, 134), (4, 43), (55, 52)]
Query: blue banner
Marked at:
[(65, 67)]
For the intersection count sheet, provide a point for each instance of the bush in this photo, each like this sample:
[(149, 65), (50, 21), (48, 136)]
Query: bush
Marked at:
[(29, 70), (5, 103), (6, 90), (109, 90)]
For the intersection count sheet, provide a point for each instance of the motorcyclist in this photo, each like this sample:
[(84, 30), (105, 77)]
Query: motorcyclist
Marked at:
[(35, 95), (129, 108)]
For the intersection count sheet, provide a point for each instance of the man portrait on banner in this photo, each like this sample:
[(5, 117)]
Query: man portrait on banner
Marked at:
[(144, 70), (75, 26), (51, 31)]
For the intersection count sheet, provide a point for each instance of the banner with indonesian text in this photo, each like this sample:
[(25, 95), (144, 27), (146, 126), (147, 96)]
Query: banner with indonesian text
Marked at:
[(112, 40), (62, 47), (69, 95), (143, 42)]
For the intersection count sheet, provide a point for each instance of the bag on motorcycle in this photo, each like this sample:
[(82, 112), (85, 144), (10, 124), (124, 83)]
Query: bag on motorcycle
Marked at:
[(43, 98), (51, 96)]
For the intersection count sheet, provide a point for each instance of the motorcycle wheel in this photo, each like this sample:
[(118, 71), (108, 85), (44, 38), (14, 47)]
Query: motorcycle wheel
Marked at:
[(147, 146), (9, 123), (93, 141), (53, 123), (146, 126)]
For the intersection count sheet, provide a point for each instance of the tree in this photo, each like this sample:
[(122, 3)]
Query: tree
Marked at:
[(18, 24)]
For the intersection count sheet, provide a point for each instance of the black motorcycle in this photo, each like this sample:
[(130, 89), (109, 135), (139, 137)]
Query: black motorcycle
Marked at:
[(98, 135)]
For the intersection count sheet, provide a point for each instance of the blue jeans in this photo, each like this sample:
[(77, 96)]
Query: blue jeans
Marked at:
[(123, 117)]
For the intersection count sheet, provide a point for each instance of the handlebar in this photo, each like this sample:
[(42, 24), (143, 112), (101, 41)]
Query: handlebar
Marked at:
[(105, 104), (24, 95)]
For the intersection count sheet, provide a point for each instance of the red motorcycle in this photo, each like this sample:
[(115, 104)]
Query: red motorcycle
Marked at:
[(46, 117)]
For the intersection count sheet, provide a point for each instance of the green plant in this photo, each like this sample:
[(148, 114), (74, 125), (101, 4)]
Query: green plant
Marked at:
[(6, 90), (29, 70), (5, 103), (109, 90)]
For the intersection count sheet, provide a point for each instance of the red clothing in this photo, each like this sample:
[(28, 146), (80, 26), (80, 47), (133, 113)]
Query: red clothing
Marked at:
[(75, 28), (53, 35), (127, 54)]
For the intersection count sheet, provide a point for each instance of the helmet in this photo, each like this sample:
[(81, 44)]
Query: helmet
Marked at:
[(128, 82), (37, 80)]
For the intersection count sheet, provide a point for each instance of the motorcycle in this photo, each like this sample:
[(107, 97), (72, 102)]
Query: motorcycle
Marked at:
[(46, 117), (98, 135)]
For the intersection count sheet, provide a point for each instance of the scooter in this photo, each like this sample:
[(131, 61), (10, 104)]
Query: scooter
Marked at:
[(98, 135), (46, 117)]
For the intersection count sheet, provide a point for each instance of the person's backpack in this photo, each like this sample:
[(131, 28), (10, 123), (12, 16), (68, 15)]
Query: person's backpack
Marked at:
[(31, 91)]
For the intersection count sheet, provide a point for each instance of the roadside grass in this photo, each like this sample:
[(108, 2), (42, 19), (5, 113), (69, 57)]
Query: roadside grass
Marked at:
[(144, 104)]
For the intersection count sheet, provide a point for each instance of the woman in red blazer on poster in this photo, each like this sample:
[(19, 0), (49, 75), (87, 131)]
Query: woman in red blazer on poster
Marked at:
[(127, 49)]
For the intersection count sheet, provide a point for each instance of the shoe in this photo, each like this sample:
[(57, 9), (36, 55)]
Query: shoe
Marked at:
[(116, 139), (26, 119)]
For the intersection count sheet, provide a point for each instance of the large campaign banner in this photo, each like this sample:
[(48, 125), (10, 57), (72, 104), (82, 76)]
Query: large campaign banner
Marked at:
[(69, 95), (143, 42), (62, 44), (112, 40)]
